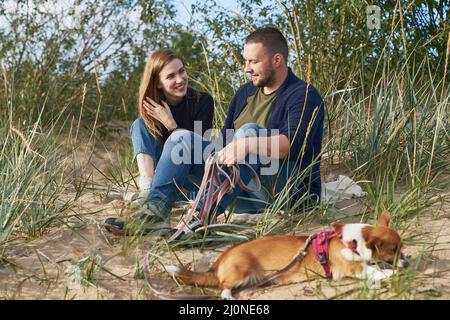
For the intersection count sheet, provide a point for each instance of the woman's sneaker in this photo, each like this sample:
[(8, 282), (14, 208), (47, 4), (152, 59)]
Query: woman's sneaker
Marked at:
[(145, 221), (136, 197)]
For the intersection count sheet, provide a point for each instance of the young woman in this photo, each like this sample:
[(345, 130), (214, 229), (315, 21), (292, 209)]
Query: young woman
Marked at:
[(166, 103)]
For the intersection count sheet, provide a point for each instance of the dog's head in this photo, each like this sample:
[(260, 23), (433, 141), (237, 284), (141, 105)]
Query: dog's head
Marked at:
[(379, 242), (385, 243)]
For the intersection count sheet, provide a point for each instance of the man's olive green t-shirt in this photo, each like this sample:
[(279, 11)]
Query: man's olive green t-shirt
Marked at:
[(257, 110)]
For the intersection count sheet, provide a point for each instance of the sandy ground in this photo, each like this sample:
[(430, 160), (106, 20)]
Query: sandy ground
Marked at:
[(51, 267)]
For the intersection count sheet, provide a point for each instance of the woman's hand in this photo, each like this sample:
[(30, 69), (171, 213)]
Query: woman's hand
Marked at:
[(161, 113)]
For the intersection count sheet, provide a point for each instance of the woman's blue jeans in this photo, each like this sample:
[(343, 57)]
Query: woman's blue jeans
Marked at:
[(144, 142)]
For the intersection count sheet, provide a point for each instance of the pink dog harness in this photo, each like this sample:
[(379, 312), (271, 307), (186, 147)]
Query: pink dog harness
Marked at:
[(320, 246), (321, 249)]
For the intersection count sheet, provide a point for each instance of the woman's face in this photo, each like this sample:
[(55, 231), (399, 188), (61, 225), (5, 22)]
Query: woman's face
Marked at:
[(173, 81)]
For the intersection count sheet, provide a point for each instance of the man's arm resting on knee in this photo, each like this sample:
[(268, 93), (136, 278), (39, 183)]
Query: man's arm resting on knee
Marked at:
[(274, 147)]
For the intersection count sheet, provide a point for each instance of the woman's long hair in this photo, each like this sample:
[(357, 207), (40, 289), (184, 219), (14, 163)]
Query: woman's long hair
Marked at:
[(149, 87)]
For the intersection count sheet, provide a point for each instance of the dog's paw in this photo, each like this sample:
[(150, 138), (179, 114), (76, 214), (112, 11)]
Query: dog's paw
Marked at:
[(373, 284), (387, 273), (172, 269), (373, 273), (226, 295)]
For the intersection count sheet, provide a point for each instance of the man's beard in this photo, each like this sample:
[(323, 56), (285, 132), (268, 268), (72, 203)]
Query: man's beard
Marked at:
[(267, 81)]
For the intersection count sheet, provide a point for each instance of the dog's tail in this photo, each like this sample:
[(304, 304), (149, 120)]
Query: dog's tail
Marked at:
[(163, 295), (203, 279)]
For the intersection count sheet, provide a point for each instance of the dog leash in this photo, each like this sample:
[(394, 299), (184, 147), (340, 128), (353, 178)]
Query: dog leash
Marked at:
[(213, 188), (217, 188), (297, 258), (164, 296), (320, 242), (301, 254)]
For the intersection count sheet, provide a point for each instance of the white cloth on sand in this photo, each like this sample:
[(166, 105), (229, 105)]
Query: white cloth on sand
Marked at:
[(341, 189)]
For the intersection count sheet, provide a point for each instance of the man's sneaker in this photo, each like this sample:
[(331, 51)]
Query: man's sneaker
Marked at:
[(190, 229), (130, 196), (145, 221)]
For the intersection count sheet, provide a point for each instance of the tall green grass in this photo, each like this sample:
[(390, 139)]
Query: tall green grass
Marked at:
[(394, 134), (386, 121), (35, 178), (386, 108), (32, 182)]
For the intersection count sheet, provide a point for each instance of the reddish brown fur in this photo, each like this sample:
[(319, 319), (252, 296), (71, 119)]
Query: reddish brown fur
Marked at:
[(384, 243), (253, 260), (204, 279)]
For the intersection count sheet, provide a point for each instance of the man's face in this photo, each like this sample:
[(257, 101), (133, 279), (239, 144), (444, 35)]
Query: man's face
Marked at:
[(258, 64)]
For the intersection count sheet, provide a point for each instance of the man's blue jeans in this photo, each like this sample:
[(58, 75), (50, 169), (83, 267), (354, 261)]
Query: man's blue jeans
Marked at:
[(183, 161)]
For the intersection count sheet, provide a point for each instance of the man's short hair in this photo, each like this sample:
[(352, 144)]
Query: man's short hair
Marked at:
[(272, 39)]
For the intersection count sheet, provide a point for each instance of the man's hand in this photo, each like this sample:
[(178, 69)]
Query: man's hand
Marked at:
[(276, 147), (161, 113), (233, 153)]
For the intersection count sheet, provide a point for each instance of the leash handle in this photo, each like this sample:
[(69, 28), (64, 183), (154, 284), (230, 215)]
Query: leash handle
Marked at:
[(216, 190), (207, 178)]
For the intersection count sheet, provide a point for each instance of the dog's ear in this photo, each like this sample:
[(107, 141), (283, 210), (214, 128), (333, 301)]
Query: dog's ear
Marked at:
[(384, 220), (374, 243), (371, 240), (337, 227)]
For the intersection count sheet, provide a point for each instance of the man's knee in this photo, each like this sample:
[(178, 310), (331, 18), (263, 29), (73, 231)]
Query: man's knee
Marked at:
[(248, 130)]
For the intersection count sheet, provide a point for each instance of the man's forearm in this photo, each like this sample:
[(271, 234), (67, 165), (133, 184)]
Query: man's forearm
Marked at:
[(274, 147)]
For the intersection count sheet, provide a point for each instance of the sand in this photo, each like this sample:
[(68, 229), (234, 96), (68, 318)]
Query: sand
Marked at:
[(46, 268)]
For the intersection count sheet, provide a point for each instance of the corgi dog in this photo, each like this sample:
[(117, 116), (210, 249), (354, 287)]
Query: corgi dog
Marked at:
[(350, 250)]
